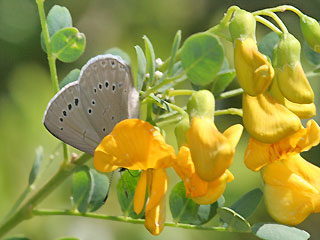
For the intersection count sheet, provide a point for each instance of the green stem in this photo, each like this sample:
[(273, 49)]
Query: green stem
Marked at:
[(268, 24), (283, 8), (25, 211), (274, 17), (44, 212), (178, 109), (229, 94), (183, 92), (51, 60), (231, 111)]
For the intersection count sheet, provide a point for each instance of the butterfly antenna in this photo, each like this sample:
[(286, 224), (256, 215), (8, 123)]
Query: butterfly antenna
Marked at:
[(107, 195), (124, 183)]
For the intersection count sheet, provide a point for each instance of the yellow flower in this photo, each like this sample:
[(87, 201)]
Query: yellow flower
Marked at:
[(135, 144), (200, 191), (211, 152), (266, 120), (292, 189), (254, 72), (303, 111), (260, 154)]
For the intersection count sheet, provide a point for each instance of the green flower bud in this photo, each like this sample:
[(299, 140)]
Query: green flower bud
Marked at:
[(181, 131), (287, 51), (242, 25), (201, 104), (311, 32)]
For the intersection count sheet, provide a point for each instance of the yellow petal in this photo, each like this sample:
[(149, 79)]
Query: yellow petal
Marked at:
[(259, 154), (194, 185), (155, 218), (292, 189), (303, 111), (293, 84), (267, 120), (211, 151), (233, 134), (254, 72), (157, 187), (133, 144), (140, 193), (215, 189)]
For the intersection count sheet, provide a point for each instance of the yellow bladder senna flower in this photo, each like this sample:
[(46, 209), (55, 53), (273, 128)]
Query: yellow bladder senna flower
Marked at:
[(292, 189), (289, 74), (303, 111), (135, 144), (211, 151), (200, 191), (266, 120), (260, 154), (254, 72)]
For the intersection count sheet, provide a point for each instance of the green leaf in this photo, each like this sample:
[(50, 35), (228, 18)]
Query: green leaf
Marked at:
[(118, 52), (58, 18), (125, 189), (202, 58), (223, 80), (160, 102), (312, 56), (36, 165), (184, 210), (150, 57), (100, 187), (267, 44), (235, 222), (246, 205), (175, 47), (270, 231), (142, 68), (81, 187), (68, 44), (72, 76)]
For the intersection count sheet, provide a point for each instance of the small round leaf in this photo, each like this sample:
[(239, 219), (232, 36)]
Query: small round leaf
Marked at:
[(68, 44), (202, 58)]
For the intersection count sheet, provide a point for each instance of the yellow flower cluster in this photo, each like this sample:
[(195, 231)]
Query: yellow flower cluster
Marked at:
[(272, 118)]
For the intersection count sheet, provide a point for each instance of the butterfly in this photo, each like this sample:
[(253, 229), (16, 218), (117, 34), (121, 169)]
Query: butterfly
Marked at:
[(83, 112)]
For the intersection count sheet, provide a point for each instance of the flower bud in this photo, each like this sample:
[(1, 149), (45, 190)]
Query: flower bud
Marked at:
[(181, 130), (311, 32), (201, 104), (242, 25), (289, 74)]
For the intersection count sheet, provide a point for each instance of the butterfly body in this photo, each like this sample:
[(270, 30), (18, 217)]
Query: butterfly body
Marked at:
[(85, 111)]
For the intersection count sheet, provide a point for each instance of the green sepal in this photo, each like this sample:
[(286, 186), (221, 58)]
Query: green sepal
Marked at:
[(201, 104), (242, 25)]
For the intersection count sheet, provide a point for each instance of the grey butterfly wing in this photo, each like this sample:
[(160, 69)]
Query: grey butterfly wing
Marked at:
[(64, 118), (107, 92)]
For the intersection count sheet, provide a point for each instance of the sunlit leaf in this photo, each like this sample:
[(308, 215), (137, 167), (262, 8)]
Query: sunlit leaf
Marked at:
[(72, 76), (202, 58), (36, 165), (119, 52), (267, 44), (81, 188), (223, 80), (125, 189), (174, 50), (270, 231), (246, 205), (68, 44), (100, 187), (150, 57), (184, 210), (58, 18), (234, 220), (142, 68)]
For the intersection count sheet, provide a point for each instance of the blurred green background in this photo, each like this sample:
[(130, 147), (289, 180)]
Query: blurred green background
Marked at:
[(25, 90)]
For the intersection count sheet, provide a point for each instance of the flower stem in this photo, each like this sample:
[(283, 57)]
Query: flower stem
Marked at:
[(183, 92), (283, 8), (26, 210), (231, 111), (274, 16), (51, 60), (268, 24), (45, 212), (229, 94)]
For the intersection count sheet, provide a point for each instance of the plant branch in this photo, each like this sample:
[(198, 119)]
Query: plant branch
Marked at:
[(45, 212), (229, 94)]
